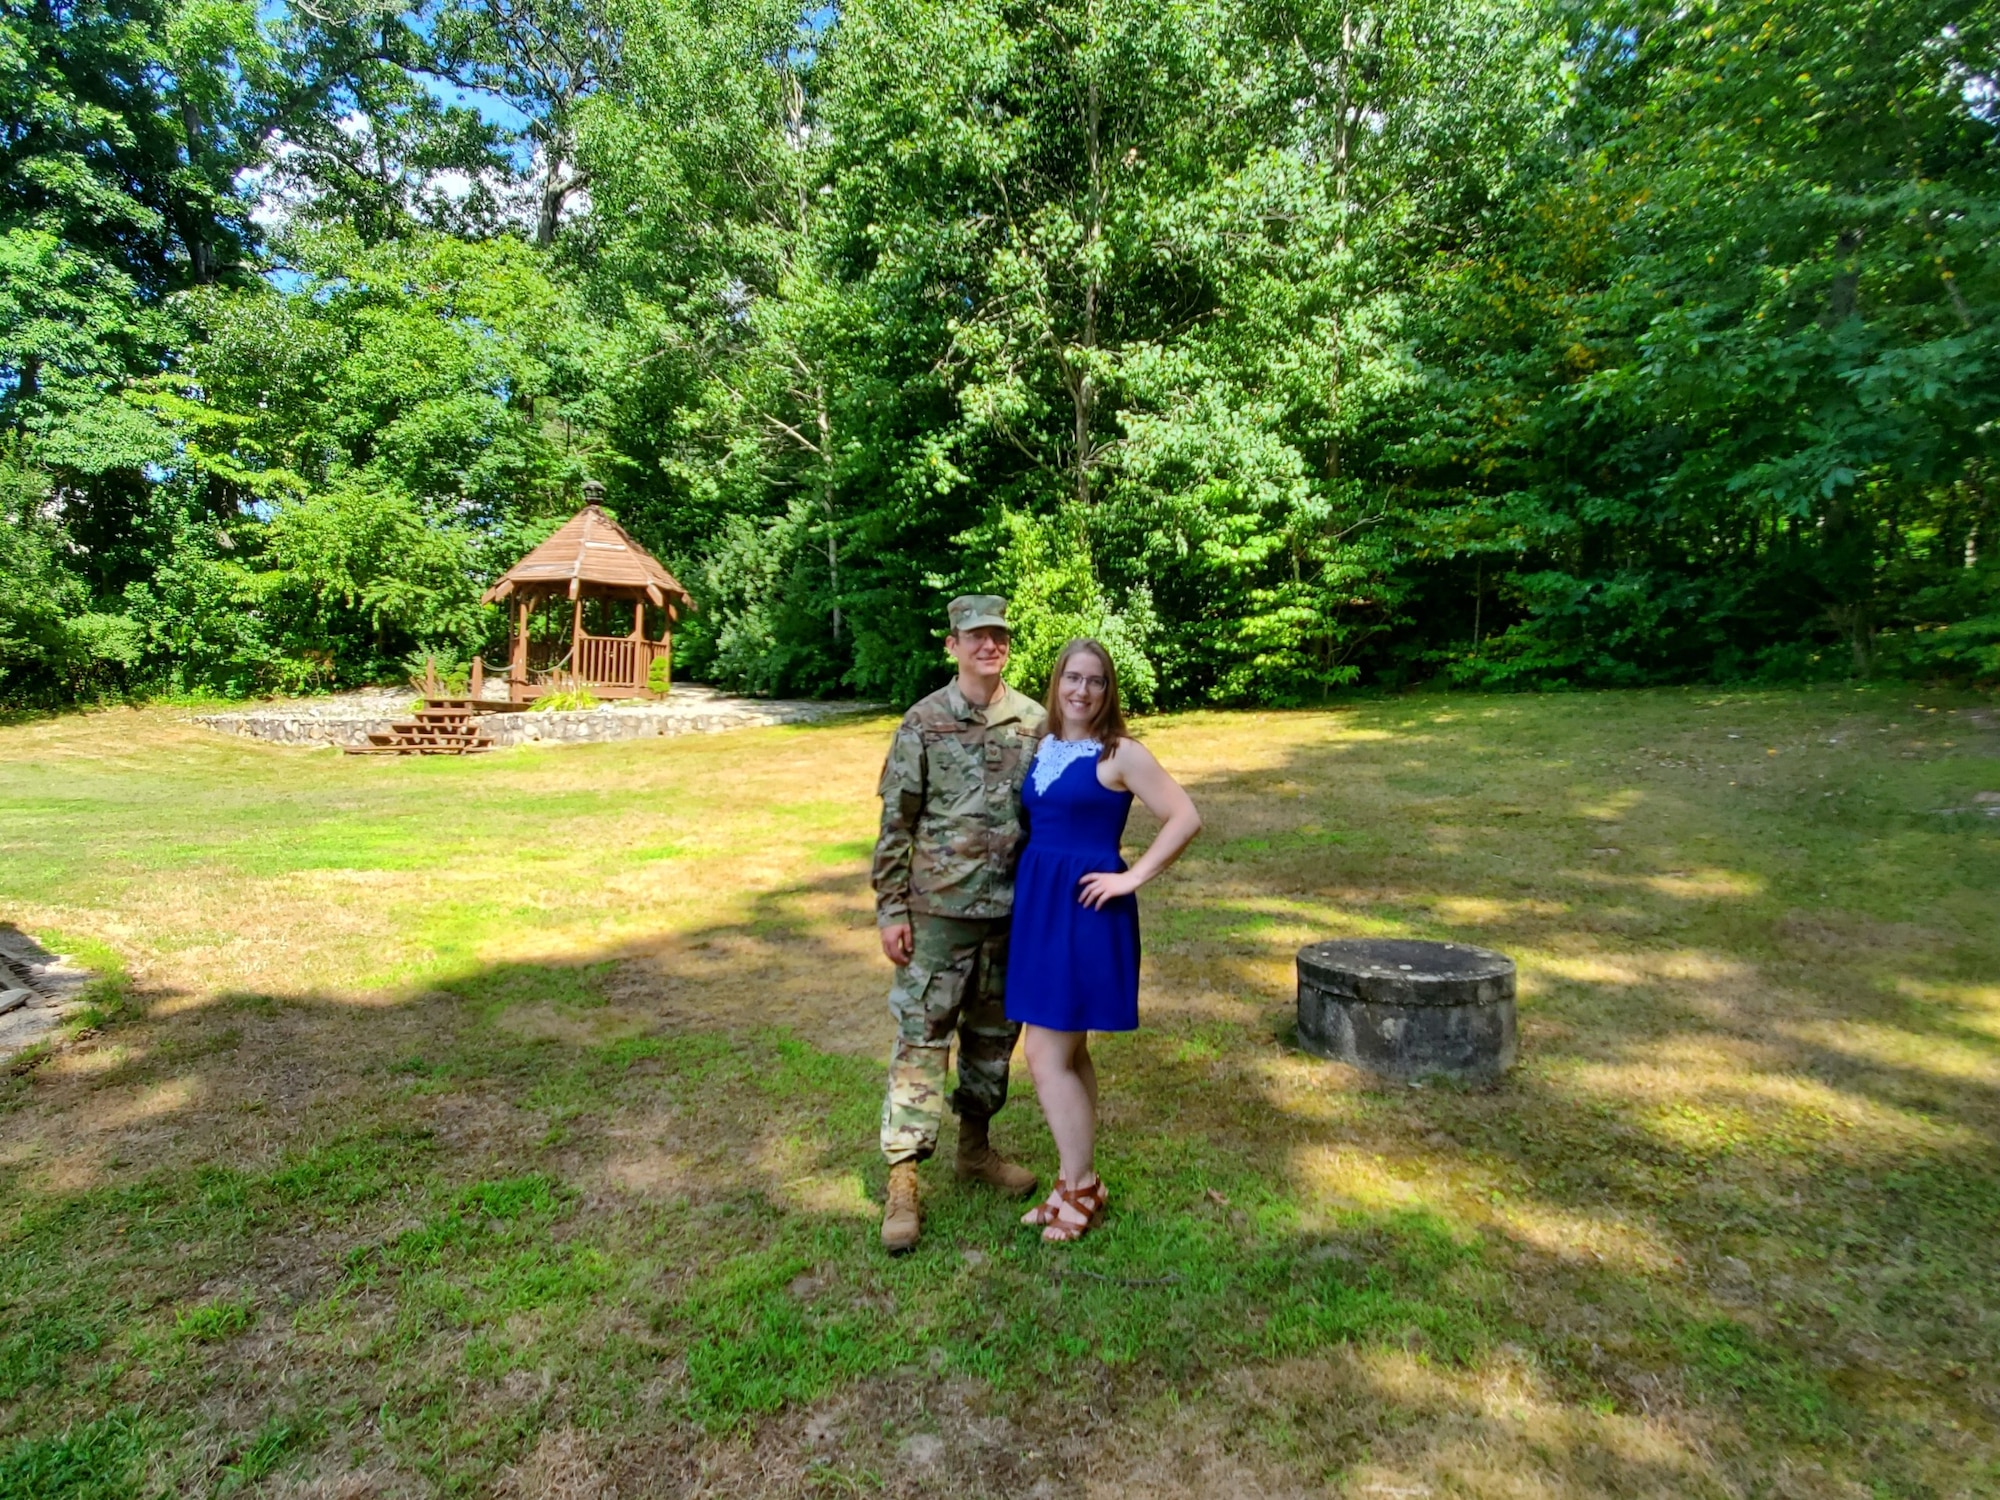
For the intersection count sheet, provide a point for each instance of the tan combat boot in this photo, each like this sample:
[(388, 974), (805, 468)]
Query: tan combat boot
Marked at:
[(904, 1220), (979, 1162)]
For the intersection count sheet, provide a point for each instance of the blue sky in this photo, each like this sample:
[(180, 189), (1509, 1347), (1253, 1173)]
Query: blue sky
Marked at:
[(493, 110)]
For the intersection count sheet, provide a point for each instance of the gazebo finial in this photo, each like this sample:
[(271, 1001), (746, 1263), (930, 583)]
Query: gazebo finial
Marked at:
[(593, 492)]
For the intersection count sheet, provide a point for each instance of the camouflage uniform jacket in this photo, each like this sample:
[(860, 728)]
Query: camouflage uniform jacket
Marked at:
[(951, 807)]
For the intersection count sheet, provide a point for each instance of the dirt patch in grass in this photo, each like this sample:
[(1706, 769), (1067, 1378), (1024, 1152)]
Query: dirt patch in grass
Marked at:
[(507, 1126)]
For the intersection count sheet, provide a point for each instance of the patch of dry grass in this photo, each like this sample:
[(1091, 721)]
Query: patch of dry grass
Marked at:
[(506, 1125)]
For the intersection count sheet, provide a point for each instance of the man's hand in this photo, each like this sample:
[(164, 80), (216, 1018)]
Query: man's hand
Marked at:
[(899, 943)]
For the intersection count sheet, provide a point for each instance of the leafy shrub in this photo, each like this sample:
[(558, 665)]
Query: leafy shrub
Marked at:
[(449, 674), (1054, 596), (363, 559), (564, 700), (1960, 639), (207, 625), (53, 645)]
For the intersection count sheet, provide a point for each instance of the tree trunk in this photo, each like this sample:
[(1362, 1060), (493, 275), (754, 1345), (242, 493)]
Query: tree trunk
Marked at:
[(1351, 39), (1859, 628), (1333, 387), (823, 419), (1975, 479), (555, 193), (794, 96), (560, 181), (200, 261), (1082, 389), (1843, 295), (1343, 103)]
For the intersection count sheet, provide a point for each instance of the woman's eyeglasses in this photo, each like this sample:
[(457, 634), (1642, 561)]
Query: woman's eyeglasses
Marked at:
[(1078, 680)]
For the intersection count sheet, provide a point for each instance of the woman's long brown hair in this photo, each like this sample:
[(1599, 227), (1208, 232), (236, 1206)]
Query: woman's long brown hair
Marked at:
[(1107, 725)]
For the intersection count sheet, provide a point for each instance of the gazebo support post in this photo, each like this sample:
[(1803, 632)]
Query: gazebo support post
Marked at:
[(517, 653), (576, 642)]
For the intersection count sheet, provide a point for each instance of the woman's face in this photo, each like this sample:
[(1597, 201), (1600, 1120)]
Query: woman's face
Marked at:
[(1081, 688)]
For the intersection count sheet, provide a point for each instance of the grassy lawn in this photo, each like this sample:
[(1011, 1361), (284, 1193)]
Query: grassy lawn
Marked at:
[(507, 1124)]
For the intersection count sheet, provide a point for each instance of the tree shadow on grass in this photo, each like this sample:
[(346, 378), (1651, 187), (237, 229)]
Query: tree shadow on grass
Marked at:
[(1806, 1145), (619, 1214)]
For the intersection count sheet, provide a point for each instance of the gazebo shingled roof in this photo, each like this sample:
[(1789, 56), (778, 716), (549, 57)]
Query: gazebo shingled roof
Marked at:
[(589, 549)]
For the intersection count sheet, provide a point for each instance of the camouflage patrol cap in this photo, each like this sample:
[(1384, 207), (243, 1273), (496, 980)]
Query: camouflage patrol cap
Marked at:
[(970, 611)]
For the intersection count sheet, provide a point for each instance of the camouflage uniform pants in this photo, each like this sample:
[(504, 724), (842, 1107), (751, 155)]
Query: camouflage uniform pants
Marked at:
[(955, 981)]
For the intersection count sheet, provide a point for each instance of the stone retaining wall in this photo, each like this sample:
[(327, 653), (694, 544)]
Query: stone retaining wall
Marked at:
[(38, 988), (296, 729), (586, 726), (685, 711)]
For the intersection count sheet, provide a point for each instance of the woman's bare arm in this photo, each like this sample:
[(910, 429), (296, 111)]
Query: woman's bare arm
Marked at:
[(1133, 769)]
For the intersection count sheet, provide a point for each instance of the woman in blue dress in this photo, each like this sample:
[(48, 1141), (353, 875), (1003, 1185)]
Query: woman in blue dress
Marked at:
[(1073, 957)]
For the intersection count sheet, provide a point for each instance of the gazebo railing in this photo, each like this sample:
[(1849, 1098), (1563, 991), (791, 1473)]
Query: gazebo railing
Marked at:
[(618, 664), (611, 661)]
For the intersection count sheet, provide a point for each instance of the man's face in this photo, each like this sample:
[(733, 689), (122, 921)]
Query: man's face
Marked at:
[(982, 650)]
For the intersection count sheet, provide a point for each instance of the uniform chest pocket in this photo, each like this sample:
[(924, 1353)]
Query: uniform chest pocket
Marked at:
[(953, 759), (1006, 756)]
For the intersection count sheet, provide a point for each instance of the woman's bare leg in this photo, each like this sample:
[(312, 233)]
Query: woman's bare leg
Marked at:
[(1066, 1083), (1086, 1069)]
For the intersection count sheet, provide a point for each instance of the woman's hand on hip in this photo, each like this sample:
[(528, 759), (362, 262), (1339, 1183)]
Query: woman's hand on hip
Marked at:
[(1101, 886)]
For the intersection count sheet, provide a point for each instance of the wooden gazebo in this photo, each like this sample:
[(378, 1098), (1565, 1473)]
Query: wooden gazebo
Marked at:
[(589, 573)]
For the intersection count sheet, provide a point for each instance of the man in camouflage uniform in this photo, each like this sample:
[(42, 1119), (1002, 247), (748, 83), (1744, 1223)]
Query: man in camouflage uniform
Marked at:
[(944, 894)]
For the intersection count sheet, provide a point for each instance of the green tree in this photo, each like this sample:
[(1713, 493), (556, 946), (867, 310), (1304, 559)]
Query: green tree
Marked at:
[(1754, 407), (545, 58), (1155, 253)]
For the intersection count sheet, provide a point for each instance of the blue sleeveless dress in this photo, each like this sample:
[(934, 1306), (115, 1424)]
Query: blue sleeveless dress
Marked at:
[(1071, 968)]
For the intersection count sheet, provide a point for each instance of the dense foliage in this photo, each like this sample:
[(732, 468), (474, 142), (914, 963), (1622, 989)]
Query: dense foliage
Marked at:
[(1286, 344)]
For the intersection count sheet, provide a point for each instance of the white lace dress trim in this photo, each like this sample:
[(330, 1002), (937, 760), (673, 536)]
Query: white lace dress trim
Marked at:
[(1057, 756)]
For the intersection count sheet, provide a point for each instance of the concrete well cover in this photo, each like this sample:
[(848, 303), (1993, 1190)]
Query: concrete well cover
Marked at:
[(1408, 971)]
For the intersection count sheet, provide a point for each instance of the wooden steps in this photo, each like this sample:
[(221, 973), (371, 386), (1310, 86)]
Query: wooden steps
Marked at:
[(443, 726)]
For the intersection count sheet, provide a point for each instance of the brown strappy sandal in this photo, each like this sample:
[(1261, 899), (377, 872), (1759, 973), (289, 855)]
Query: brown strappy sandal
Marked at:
[(1045, 1211), (1076, 1212)]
